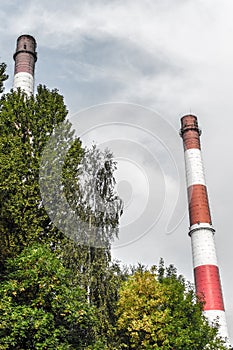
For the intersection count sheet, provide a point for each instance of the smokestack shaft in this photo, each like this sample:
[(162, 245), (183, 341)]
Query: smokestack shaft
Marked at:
[(206, 271), (25, 58)]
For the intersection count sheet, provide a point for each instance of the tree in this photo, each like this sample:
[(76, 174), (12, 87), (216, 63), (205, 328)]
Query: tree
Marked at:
[(95, 201), (3, 76), (40, 308), (26, 124), (101, 278), (99, 209), (27, 165), (159, 310)]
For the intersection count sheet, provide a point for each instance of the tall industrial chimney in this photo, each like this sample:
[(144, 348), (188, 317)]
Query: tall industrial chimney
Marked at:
[(25, 58), (201, 231)]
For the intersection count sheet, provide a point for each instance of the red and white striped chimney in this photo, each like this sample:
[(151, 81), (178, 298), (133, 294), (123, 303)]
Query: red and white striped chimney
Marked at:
[(25, 58), (206, 271)]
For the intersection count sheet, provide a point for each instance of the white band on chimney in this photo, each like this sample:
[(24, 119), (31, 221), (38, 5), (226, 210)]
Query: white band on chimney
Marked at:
[(194, 167), (203, 248), (220, 317), (24, 81)]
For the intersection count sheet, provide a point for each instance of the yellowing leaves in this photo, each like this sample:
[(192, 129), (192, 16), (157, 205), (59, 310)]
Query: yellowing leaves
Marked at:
[(158, 311)]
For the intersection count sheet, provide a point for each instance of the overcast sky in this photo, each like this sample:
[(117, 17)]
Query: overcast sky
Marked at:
[(143, 64)]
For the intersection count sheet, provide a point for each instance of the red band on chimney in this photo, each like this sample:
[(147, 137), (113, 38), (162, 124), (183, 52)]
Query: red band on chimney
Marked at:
[(199, 211), (208, 287)]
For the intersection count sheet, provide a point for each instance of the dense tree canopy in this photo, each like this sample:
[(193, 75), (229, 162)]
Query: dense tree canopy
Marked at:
[(26, 126), (157, 310), (40, 308)]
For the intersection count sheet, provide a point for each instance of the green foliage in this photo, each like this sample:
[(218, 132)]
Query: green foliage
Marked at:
[(98, 209), (101, 278), (95, 202), (26, 124), (39, 306), (158, 310), (3, 76)]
